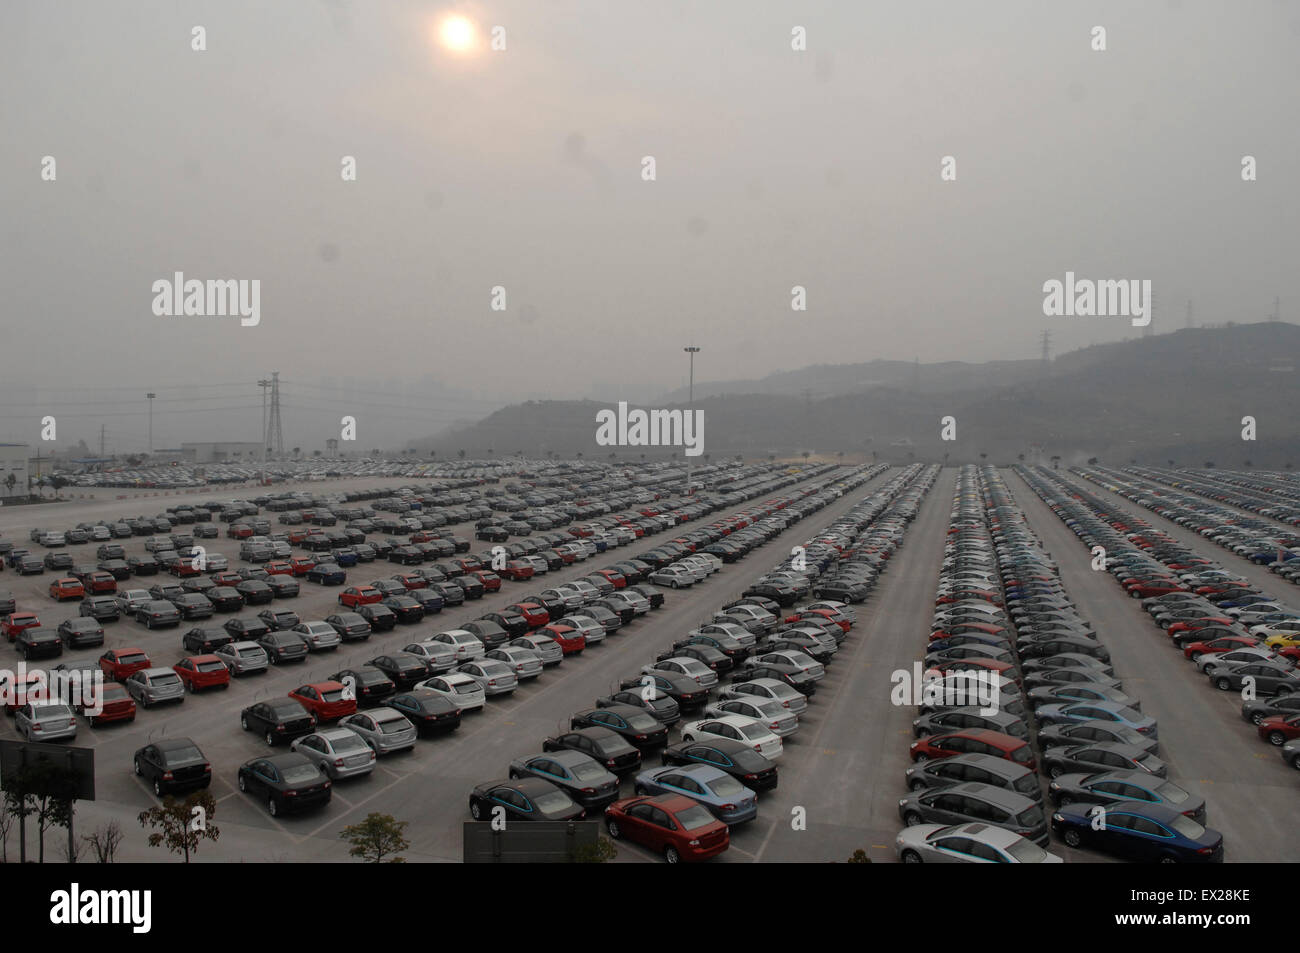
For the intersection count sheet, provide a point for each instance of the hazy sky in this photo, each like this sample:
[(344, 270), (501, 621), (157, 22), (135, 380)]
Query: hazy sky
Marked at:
[(522, 168)]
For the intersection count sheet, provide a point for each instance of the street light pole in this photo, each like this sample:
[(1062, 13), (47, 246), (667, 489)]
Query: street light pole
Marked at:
[(151, 396), (264, 384), (692, 350)]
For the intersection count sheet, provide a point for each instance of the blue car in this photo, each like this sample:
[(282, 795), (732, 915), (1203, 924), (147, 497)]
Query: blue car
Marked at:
[(1152, 833), (726, 798), (1066, 713), (344, 557)]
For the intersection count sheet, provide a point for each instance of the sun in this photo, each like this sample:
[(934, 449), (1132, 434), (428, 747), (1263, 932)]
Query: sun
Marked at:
[(457, 33)]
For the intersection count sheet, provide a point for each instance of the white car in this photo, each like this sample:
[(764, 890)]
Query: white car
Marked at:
[(585, 626), (467, 645), (338, 752), (384, 729), (734, 629), (571, 598), (638, 603), (673, 576), (317, 635), (694, 669), (523, 662), (810, 666), (769, 689), (740, 728), (779, 719), (458, 688), (439, 656), (714, 563), (967, 844), (493, 676), (585, 590), (546, 649), (540, 566)]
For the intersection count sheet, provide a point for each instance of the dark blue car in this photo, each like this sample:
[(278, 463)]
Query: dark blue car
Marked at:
[(1151, 833)]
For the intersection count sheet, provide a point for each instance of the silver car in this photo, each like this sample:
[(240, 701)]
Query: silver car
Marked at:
[(129, 601), (544, 647), (466, 645), (495, 678), (384, 729), (779, 720), (967, 844), (317, 635), (438, 656), (40, 721), (154, 685), (524, 662), (586, 626), (243, 658), (338, 752), (767, 688), (638, 603)]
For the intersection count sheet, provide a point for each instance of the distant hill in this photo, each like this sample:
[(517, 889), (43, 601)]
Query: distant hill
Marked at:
[(1177, 396)]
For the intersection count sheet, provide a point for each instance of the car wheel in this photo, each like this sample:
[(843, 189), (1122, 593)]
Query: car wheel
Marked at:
[(912, 818), (270, 739), (922, 758), (1222, 684), (1196, 656), (911, 857), (157, 787), (243, 785), (1066, 800), (671, 855), (1168, 859), (138, 770), (243, 723), (189, 687), (1054, 772), (1072, 838), (475, 810), (271, 807), (1277, 738), (1295, 762)]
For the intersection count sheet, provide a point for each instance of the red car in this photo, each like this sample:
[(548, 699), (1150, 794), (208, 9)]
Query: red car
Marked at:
[(296, 538), (974, 741), (1280, 729), (115, 702), (571, 640), (121, 664), (411, 581), (958, 595), (279, 567), (183, 567), (325, 700), (100, 582), (227, 577), (822, 615), (354, 596), (491, 581), (1191, 625), (15, 622), (65, 587), (678, 827), (239, 531), (518, 570), (467, 564), (613, 575), (302, 565), (1224, 643), (1006, 669), (202, 671), (533, 614)]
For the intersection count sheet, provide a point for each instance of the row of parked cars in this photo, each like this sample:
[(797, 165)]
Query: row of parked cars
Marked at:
[(732, 735), (1003, 615), (1241, 639)]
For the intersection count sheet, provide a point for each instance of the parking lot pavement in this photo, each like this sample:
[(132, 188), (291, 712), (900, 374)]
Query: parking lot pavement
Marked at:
[(427, 787), (1210, 749)]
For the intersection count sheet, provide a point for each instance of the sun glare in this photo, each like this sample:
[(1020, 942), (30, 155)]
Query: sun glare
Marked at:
[(457, 34)]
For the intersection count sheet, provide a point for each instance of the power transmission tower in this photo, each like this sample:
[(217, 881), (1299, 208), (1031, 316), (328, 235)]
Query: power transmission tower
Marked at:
[(274, 433), (1047, 347)]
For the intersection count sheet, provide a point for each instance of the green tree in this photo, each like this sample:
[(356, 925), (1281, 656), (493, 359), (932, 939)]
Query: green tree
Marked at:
[(181, 826), (859, 857), (600, 852), (378, 836), (41, 790)]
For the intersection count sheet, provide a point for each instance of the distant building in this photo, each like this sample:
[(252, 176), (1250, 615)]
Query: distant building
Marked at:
[(13, 462), (226, 452)]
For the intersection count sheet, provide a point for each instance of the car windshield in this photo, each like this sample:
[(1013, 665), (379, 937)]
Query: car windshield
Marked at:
[(210, 666), (694, 817), (586, 772), (287, 710), (726, 787), (133, 659), (641, 722), (169, 678), (390, 726), (332, 695), (1026, 851), (1030, 817), (52, 711), (1172, 793), (184, 755), (300, 774), (250, 653), (552, 801), (349, 743), (1185, 826), (467, 688), (752, 731)]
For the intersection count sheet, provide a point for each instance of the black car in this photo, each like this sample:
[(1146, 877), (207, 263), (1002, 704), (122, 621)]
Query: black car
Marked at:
[(735, 757), (655, 596), (38, 642), (379, 616), (350, 626), (637, 726), (225, 599), (685, 691), (199, 584), (158, 612), (582, 778), (798, 680), (143, 565), (279, 619), (57, 561), (117, 568), (370, 684), (471, 586), (283, 586), (430, 711), (427, 599), (205, 641), (603, 744), (278, 721), (81, 633), (246, 629), (406, 609), (524, 799), (452, 594), (255, 592), (290, 782), (714, 659), (192, 605), (99, 608), (492, 635), (173, 765), (401, 668), (657, 703), (283, 646)]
